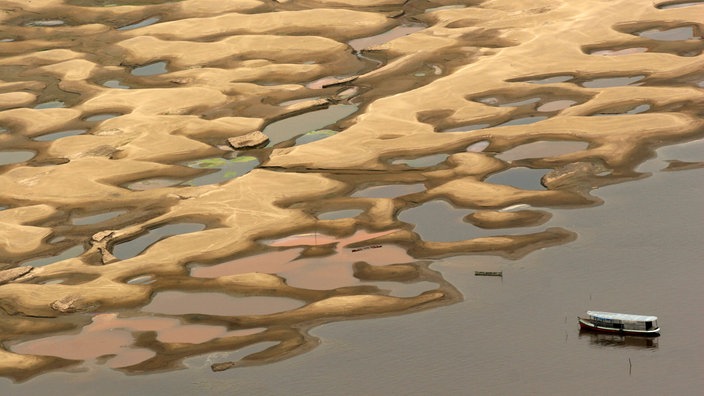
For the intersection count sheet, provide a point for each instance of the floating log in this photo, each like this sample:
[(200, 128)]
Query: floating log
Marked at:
[(366, 247)]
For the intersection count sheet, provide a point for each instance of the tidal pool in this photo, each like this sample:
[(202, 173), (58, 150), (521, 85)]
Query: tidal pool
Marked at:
[(15, 156), (125, 250), (179, 303), (291, 127), (59, 135)]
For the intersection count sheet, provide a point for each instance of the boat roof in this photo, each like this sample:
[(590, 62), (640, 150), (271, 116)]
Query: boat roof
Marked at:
[(622, 316)]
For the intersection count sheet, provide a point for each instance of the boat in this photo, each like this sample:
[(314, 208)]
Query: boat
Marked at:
[(488, 273), (620, 323)]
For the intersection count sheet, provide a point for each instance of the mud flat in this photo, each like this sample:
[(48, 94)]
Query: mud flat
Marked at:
[(506, 116)]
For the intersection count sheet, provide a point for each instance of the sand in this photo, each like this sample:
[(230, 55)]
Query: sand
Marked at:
[(475, 82)]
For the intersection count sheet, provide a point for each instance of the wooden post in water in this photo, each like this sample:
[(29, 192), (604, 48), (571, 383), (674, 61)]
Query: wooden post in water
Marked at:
[(630, 366)]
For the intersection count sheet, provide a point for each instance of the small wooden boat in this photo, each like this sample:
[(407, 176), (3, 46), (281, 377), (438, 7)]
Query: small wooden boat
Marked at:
[(488, 273), (619, 323)]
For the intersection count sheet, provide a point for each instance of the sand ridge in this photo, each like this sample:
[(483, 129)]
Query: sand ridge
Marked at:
[(135, 93)]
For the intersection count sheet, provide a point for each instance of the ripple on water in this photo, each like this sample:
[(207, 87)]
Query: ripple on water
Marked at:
[(125, 250), (15, 156), (181, 303)]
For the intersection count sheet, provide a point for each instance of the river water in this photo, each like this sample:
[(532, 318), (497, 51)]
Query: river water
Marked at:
[(640, 252)]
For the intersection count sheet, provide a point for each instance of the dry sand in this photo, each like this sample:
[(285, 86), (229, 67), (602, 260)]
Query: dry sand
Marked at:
[(139, 103)]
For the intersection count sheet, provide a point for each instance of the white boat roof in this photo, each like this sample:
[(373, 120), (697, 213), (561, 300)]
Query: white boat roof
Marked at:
[(621, 316)]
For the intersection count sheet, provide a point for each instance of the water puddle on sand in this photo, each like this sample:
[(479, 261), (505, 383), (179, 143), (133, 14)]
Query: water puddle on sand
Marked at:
[(494, 101), (523, 178), (551, 79), (556, 105), (314, 136), (523, 121), (59, 135), (109, 334), (612, 82), (117, 84), (15, 156), (478, 147), (390, 191), (152, 183), (221, 169), (291, 127), (372, 41), (439, 221), (143, 23), (46, 23), (66, 254), (151, 69), (636, 110), (101, 117), (679, 5), (542, 149), (318, 273), (422, 162), (675, 34), (54, 104), (447, 7), (181, 303), (468, 128), (340, 214), (136, 246), (405, 290), (96, 218), (620, 52)]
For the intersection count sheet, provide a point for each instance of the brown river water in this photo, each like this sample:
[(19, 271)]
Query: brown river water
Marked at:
[(292, 197)]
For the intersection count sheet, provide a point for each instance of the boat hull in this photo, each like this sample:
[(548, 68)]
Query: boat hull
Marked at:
[(585, 324)]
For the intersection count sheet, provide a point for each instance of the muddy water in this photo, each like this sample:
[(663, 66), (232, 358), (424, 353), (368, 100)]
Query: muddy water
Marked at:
[(231, 253), (512, 335)]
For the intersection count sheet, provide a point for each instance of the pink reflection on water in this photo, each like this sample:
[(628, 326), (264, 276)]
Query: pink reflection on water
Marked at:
[(179, 303), (327, 272), (110, 335)]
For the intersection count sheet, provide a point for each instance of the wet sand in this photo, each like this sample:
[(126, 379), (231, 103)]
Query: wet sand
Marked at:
[(120, 180)]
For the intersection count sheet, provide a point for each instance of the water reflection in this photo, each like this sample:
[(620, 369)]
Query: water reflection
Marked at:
[(615, 340), (290, 127), (134, 247)]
